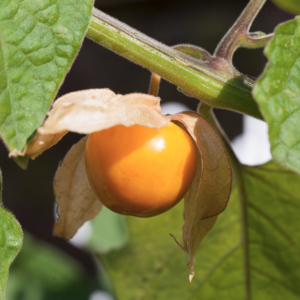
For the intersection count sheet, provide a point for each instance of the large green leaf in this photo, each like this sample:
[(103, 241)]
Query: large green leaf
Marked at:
[(292, 6), (251, 253), (10, 242), (41, 272), (278, 94), (39, 40)]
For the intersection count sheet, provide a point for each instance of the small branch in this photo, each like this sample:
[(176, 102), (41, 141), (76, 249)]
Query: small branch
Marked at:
[(154, 84), (238, 35), (207, 112), (252, 40)]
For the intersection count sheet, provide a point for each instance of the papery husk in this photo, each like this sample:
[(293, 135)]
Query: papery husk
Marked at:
[(39, 144), (92, 110), (209, 194), (87, 112), (95, 110), (76, 201)]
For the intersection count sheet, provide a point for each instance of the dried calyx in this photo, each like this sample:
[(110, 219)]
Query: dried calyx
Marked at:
[(94, 110)]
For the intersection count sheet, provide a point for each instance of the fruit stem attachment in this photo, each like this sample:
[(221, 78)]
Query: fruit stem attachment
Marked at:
[(207, 112), (239, 35), (154, 84)]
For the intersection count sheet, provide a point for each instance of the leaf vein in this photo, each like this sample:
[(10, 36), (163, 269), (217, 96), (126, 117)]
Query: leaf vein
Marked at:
[(275, 226)]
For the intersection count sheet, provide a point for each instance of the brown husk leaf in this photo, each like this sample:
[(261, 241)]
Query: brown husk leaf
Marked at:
[(75, 198), (211, 188), (93, 110)]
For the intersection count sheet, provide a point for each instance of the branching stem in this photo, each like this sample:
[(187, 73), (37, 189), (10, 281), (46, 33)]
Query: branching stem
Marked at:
[(239, 35)]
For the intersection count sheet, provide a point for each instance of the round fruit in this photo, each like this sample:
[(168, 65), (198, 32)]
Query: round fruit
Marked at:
[(140, 171)]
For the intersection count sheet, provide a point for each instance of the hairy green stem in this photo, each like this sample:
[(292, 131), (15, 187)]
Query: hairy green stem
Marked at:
[(212, 81)]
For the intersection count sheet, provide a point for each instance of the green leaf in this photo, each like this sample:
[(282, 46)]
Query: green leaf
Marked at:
[(41, 272), (39, 40), (251, 253), (292, 6), (10, 242), (109, 232), (21, 161), (278, 94)]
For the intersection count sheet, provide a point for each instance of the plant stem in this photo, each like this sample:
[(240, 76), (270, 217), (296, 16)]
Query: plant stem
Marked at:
[(229, 89), (208, 114), (239, 36), (256, 40), (154, 84)]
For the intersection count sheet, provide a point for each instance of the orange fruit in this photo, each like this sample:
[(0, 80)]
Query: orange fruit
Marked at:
[(140, 171)]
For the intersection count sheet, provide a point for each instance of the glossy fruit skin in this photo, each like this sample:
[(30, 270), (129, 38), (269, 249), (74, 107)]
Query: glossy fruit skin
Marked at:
[(140, 171)]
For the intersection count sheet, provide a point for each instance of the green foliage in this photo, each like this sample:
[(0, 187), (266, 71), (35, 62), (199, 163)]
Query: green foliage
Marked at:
[(253, 250), (278, 94), (109, 232), (292, 6), (10, 242), (263, 246), (39, 40), (41, 272)]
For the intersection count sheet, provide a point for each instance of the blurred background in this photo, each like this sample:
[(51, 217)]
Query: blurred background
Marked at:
[(29, 194)]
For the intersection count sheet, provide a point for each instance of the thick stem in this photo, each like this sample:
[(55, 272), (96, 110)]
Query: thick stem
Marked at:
[(238, 34), (190, 50), (229, 90)]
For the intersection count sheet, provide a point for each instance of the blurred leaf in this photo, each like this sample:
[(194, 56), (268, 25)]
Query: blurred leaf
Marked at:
[(278, 94), (42, 272), (292, 6), (39, 40), (10, 242), (104, 279), (257, 254), (109, 232)]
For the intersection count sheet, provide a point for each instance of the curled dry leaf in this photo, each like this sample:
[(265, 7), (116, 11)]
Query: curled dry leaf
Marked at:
[(39, 144), (75, 198), (94, 110), (210, 191)]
